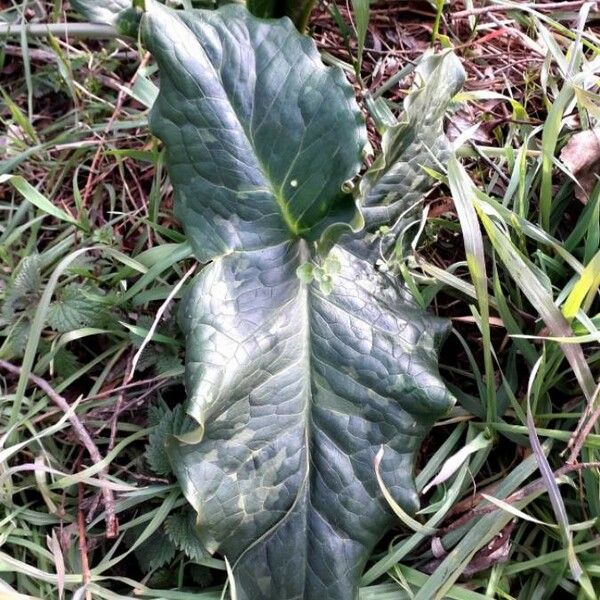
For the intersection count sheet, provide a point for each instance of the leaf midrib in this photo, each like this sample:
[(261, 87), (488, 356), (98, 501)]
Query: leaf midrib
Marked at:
[(304, 255)]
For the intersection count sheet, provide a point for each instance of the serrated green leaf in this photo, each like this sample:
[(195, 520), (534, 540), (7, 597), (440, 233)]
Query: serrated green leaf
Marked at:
[(148, 358), (166, 423), (156, 551), (27, 278), (168, 364), (182, 531), (294, 382), (73, 309), (156, 413), (16, 338), (65, 363), (23, 289)]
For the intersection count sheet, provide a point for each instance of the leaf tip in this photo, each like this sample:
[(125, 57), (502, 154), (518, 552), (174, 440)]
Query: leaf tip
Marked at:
[(191, 437)]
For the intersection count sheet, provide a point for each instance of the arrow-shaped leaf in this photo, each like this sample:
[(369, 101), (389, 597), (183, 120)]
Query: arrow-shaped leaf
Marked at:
[(299, 367)]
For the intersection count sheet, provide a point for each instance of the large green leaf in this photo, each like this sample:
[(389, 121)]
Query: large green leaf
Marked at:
[(299, 367), (260, 135), (296, 390)]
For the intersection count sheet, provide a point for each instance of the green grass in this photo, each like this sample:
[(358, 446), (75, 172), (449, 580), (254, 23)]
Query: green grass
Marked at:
[(91, 254)]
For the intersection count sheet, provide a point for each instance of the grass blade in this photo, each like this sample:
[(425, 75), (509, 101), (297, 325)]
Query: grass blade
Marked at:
[(550, 481), (525, 277), (32, 195), (463, 195), (361, 10)]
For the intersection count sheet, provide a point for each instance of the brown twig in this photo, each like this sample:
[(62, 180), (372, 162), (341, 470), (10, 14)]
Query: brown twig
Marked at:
[(532, 488), (117, 411), (158, 383), (119, 388), (584, 427), (112, 523)]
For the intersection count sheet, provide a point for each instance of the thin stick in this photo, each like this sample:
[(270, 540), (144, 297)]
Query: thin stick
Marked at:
[(127, 386), (112, 523), (584, 428), (532, 488), (117, 411), (92, 31)]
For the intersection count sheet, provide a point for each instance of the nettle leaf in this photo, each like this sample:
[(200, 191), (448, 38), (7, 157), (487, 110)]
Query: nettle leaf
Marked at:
[(165, 423), (73, 308), (65, 363), (23, 290), (183, 532), (300, 366), (155, 552), (168, 364), (16, 336), (28, 277)]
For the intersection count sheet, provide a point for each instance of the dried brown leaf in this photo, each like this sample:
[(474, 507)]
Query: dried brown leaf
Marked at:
[(581, 155)]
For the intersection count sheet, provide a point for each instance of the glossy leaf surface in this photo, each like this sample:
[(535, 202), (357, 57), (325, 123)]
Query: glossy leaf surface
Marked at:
[(299, 367), (101, 11), (296, 390), (260, 135)]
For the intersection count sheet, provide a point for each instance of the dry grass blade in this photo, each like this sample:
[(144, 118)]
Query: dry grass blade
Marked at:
[(551, 485)]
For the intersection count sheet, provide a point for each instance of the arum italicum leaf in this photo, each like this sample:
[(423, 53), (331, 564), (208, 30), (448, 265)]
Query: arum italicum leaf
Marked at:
[(392, 188), (296, 376), (101, 11), (260, 135)]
